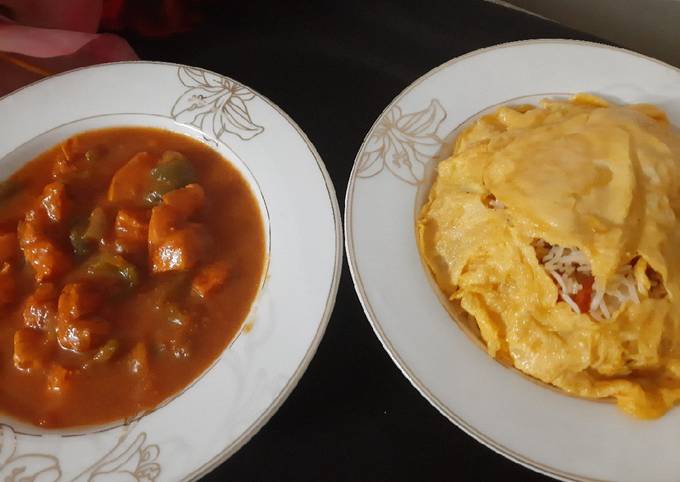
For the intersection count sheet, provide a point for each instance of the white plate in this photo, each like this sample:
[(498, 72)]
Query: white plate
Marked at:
[(565, 437), (197, 430)]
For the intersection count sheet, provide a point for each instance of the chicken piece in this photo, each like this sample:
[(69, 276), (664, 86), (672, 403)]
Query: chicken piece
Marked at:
[(54, 202), (78, 300), (83, 334), (132, 225), (8, 284), (28, 231), (174, 244), (187, 200), (71, 164), (210, 278), (57, 378), (8, 246), (46, 259), (177, 207), (132, 230), (30, 349), (130, 183), (163, 220), (180, 250), (40, 309)]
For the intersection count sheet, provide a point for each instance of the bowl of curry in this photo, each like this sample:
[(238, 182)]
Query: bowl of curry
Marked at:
[(171, 251), (130, 258)]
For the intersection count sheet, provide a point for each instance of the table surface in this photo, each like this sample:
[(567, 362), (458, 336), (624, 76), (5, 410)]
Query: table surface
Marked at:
[(353, 416)]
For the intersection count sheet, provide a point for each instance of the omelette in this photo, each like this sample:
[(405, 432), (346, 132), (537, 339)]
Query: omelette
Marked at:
[(555, 227)]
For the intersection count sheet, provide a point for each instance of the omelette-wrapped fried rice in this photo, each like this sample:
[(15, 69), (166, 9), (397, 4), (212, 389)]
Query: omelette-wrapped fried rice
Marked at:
[(556, 228)]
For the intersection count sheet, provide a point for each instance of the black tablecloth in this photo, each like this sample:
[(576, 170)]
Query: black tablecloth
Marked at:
[(333, 66)]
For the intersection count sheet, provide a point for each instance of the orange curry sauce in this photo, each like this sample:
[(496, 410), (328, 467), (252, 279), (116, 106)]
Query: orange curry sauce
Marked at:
[(129, 258)]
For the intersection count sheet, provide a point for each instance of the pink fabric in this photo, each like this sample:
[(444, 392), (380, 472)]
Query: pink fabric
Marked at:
[(80, 15), (51, 36), (41, 42), (109, 48)]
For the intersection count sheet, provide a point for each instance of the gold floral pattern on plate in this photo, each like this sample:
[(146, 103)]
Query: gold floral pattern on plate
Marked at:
[(403, 143), (251, 380), (30, 467), (135, 462), (215, 104), (126, 462)]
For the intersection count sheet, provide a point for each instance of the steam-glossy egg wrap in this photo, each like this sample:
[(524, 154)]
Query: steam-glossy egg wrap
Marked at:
[(556, 228)]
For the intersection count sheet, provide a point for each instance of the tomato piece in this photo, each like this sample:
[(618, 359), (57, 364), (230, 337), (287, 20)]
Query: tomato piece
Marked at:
[(584, 296)]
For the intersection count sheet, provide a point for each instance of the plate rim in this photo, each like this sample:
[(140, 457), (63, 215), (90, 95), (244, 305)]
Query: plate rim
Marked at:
[(329, 307), (331, 296), (373, 320)]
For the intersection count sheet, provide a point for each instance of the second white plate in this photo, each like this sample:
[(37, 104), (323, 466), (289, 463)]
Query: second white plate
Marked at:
[(565, 437)]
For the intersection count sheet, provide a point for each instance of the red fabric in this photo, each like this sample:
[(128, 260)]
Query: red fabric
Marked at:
[(152, 18), (112, 14)]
